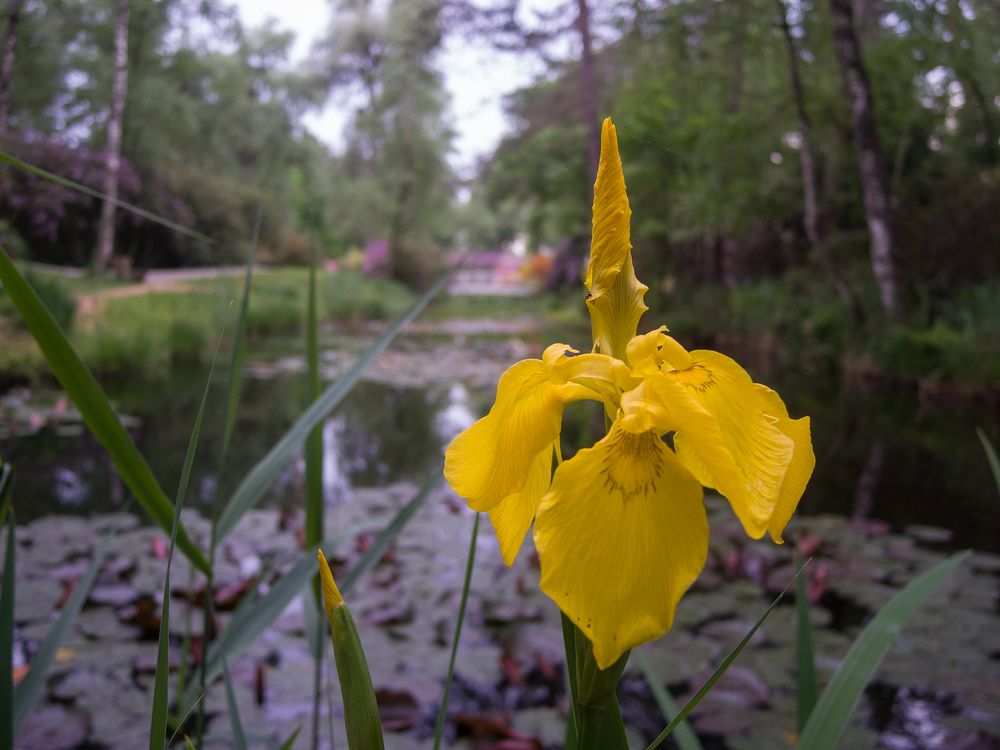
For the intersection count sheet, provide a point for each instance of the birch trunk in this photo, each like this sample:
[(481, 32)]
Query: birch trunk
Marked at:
[(810, 181), (113, 148), (875, 186)]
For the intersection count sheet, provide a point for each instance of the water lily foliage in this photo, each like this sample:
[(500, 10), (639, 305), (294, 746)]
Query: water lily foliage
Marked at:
[(620, 528)]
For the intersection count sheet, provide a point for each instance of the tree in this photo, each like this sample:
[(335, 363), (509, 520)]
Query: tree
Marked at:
[(875, 186), (7, 59), (810, 182), (113, 146)]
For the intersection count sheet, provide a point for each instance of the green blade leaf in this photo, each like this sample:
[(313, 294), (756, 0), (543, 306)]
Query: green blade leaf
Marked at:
[(374, 553), (361, 719), (805, 660), (7, 641), (835, 705), (94, 407), (256, 482), (239, 343), (721, 670), (31, 169), (684, 736), (249, 621), (991, 455), (290, 742), (470, 560), (30, 688), (6, 485), (239, 736), (160, 713)]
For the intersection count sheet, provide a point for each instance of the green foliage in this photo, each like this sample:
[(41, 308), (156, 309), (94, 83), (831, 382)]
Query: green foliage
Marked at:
[(52, 292)]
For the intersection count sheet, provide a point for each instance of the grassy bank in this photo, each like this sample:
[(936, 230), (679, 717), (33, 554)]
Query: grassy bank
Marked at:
[(137, 330)]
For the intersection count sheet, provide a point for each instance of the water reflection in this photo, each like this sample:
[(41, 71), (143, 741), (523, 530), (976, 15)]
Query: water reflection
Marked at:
[(880, 453)]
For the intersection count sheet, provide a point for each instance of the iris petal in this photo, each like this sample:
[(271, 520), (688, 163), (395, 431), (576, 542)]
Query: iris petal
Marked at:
[(616, 295), (491, 460), (513, 516), (801, 467), (621, 535), (724, 437)]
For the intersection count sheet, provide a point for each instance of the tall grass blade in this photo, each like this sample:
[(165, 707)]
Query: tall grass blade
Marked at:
[(7, 642), (239, 736), (314, 442), (261, 476), (805, 673), (250, 619), (443, 711), (31, 169), (30, 688), (158, 719), (991, 455), (361, 719), (721, 670), (188, 744), (94, 407), (835, 705), (684, 736), (290, 742), (235, 381), (6, 485), (374, 553)]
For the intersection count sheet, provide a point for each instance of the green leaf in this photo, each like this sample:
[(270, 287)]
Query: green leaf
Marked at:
[(290, 742), (94, 407), (721, 670), (470, 559), (6, 485), (361, 719), (835, 705), (239, 737), (188, 744), (260, 477), (991, 455), (374, 553), (251, 618), (158, 718), (30, 688), (805, 660), (684, 736), (7, 642), (31, 169), (235, 380)]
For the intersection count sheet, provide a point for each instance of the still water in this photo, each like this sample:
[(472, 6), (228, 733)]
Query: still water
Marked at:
[(881, 454)]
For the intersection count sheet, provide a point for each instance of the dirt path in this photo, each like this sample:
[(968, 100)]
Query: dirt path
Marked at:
[(163, 281)]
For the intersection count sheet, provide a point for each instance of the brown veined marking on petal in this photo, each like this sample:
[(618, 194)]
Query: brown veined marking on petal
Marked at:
[(631, 466), (697, 377)]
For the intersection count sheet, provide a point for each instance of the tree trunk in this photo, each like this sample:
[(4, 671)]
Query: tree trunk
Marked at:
[(810, 182), (106, 227), (588, 91), (7, 60), (874, 184)]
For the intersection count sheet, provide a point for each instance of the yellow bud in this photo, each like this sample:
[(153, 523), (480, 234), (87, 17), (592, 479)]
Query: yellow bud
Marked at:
[(331, 594)]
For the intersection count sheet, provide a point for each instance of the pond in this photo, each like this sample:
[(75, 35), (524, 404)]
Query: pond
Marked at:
[(881, 453), (905, 482)]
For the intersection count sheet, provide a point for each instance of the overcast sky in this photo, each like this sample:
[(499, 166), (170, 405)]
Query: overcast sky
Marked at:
[(477, 77)]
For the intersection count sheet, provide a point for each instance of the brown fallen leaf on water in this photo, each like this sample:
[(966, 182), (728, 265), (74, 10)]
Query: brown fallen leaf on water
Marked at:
[(18, 672), (397, 709), (512, 670)]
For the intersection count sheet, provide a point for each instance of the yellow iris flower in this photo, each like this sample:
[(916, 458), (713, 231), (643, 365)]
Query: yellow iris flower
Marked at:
[(620, 528)]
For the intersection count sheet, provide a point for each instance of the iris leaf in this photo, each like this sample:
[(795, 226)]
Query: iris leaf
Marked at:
[(443, 711), (261, 476), (94, 407), (835, 705)]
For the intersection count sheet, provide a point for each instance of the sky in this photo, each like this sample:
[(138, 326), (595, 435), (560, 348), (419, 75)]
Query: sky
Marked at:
[(476, 77)]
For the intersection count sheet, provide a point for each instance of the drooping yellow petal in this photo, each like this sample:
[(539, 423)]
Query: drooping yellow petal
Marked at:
[(615, 297), (723, 435), (491, 460), (801, 467), (513, 516), (621, 535)]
